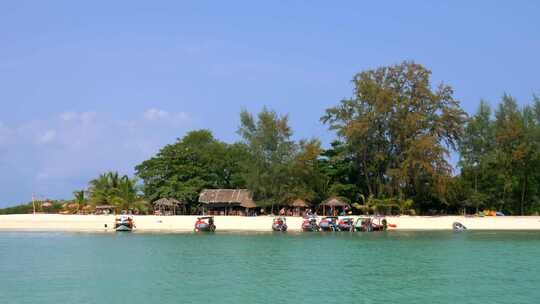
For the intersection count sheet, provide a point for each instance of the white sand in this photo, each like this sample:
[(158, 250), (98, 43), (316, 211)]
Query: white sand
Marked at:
[(56, 222)]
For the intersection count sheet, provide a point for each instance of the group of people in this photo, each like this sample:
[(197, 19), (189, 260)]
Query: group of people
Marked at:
[(310, 213), (296, 212), (291, 212)]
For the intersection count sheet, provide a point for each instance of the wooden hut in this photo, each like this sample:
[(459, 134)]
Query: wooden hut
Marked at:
[(105, 209), (333, 205), (227, 202), (168, 206), (299, 207)]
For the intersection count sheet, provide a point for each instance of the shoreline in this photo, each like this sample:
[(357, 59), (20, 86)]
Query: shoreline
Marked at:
[(184, 223)]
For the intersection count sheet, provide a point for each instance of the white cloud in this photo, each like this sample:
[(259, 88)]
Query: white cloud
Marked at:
[(155, 114), (68, 116), (46, 137), (82, 117), (85, 145), (181, 116)]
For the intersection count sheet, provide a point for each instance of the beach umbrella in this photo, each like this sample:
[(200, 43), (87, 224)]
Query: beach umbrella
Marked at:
[(300, 203), (334, 202)]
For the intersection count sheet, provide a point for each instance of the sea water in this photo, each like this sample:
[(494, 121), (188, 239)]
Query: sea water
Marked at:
[(378, 267)]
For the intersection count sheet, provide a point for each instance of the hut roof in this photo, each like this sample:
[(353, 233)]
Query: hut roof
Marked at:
[(242, 197), (299, 203), (167, 202), (105, 207), (334, 202), (47, 205)]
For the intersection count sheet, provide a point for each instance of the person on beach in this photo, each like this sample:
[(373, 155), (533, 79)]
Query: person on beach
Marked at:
[(282, 211)]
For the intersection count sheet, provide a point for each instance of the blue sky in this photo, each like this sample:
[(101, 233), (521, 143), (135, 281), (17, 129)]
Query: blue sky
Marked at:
[(91, 86)]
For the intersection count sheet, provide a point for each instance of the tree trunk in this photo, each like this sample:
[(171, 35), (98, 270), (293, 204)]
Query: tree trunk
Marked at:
[(523, 191), (366, 174), (476, 190)]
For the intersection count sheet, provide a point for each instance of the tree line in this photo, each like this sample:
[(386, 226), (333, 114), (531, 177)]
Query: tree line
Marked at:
[(394, 139)]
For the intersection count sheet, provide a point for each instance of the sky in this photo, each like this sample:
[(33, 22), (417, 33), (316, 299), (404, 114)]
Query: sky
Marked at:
[(87, 87)]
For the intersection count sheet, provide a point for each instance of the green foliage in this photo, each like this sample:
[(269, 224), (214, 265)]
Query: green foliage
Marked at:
[(397, 133), (28, 208), (80, 199), (500, 156), (112, 189), (19, 209), (307, 180), (271, 155), (195, 162)]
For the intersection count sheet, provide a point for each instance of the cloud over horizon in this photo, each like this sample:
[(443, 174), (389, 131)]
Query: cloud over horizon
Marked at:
[(52, 157)]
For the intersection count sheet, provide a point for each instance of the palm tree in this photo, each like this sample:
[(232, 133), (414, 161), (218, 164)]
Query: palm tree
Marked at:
[(111, 188), (80, 199)]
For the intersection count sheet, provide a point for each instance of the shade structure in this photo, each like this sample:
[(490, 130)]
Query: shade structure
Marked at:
[(167, 206), (334, 202), (299, 203), (167, 202), (227, 202), (227, 197), (105, 207)]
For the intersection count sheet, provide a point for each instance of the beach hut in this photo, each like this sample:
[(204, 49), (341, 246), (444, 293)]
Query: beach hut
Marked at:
[(299, 206), (105, 209), (333, 204), (227, 202), (168, 206)]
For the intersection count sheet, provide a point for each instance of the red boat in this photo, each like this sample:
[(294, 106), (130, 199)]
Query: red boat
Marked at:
[(310, 224), (279, 224), (205, 223), (346, 224), (368, 224)]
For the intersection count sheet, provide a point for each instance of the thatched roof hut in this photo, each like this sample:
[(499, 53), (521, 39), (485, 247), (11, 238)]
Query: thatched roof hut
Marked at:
[(166, 202), (168, 206), (227, 198), (299, 203), (334, 202), (105, 209)]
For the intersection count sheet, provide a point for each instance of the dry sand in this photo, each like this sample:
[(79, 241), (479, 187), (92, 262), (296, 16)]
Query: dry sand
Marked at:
[(147, 223)]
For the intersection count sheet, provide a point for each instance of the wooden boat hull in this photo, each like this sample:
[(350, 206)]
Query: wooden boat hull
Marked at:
[(345, 227), (205, 228), (278, 227), (123, 227)]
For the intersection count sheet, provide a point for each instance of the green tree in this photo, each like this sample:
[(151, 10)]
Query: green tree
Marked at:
[(477, 154), (400, 132), (197, 161), (499, 157), (80, 199), (271, 155), (308, 181), (509, 137), (111, 188), (337, 165)]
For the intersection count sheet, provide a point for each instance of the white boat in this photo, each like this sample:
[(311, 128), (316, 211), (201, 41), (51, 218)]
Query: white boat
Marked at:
[(124, 223)]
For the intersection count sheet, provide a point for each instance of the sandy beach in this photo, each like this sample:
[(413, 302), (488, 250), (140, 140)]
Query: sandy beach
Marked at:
[(148, 223)]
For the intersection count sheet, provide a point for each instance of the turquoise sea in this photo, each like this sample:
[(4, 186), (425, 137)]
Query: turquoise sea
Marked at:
[(387, 267)]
